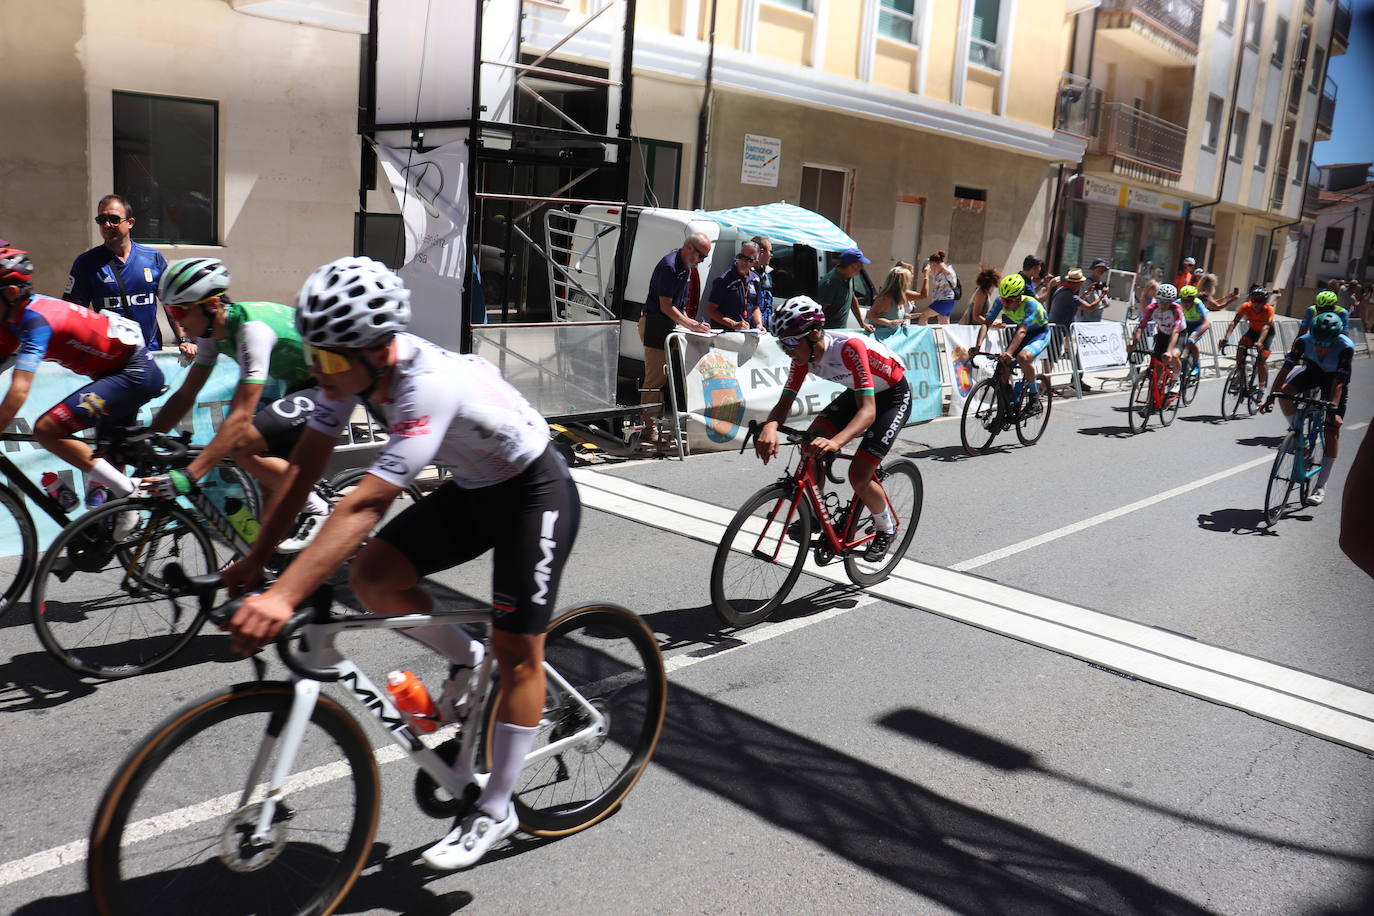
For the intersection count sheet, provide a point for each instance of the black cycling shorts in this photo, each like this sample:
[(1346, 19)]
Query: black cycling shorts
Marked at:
[(1162, 345), (1305, 378), (529, 522), (893, 405), (282, 421)]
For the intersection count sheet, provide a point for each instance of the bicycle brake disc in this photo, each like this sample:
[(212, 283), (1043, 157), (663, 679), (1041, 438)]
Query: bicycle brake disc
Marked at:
[(435, 801)]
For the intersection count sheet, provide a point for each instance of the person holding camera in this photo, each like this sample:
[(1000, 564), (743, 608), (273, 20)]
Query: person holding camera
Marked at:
[(1065, 308), (940, 283)]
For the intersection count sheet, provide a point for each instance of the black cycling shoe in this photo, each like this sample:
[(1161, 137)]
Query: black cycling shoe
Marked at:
[(878, 547)]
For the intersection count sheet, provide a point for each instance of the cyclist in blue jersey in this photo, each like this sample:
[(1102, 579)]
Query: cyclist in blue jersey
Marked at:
[(1326, 301), (1319, 359), (119, 275), (1032, 323)]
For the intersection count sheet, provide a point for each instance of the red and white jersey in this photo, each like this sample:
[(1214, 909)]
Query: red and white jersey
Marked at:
[(1165, 315), (857, 362)]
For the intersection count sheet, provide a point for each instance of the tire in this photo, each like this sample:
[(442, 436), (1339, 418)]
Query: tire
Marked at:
[(1030, 429), (747, 582), (102, 609), (1279, 492), (610, 658), (1189, 384), (1314, 455), (197, 864), (16, 570), (979, 425), (1141, 403), (1232, 394), (905, 496), (1254, 392), (1170, 408)]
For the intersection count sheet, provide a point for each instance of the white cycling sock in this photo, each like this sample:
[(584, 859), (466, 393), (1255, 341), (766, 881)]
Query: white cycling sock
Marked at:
[(513, 742), (315, 505), (111, 478), (883, 521), (1325, 472), (451, 641)]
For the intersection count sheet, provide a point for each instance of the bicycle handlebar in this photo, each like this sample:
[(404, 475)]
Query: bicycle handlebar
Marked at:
[(1303, 399), (207, 587), (796, 437)]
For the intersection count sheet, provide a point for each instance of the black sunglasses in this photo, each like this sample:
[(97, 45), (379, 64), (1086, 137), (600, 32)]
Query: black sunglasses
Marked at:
[(109, 219)]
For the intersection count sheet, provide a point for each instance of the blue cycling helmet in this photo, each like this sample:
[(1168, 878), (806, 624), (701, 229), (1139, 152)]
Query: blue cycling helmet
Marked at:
[(1326, 327)]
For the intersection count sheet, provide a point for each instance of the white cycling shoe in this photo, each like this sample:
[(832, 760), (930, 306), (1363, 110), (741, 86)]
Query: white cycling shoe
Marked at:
[(1317, 496), (307, 526), (475, 833)]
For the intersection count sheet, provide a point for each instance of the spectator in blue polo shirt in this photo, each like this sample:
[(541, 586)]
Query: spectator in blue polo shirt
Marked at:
[(663, 311), (121, 275), (733, 303)]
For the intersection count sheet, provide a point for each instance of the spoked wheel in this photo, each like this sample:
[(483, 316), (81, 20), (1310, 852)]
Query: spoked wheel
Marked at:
[(1141, 402), (901, 481), (979, 425), (1031, 422), (1187, 389), (610, 718), (1233, 393), (19, 544), (174, 832), (1254, 391), (100, 604), (346, 481), (1314, 441), (1170, 408), (1282, 479), (760, 557)]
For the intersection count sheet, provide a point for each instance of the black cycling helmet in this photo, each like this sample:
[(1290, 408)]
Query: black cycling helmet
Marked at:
[(1259, 294)]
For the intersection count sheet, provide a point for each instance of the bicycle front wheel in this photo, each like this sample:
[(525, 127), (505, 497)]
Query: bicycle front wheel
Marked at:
[(606, 696), (1139, 406), (978, 427), (1169, 410), (1233, 393), (174, 831), (1254, 391), (1282, 479), (1188, 386), (1314, 455), (760, 556), (905, 492), (100, 606), (19, 544), (1031, 423)]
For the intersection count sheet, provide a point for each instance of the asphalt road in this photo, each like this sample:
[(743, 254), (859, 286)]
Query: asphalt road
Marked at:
[(978, 736)]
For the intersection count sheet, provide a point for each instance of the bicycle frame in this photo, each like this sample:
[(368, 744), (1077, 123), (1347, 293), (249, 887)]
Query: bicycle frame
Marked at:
[(318, 651), (35, 494), (1160, 375)]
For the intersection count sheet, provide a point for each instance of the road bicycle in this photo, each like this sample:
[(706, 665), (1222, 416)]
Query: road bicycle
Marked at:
[(764, 548), (996, 405), (1243, 388), (1150, 392), (1301, 455), (264, 798)]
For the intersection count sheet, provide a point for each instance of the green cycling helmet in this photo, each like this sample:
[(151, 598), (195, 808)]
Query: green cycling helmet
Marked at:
[(1326, 299), (1012, 286), (1326, 327), (1188, 292)]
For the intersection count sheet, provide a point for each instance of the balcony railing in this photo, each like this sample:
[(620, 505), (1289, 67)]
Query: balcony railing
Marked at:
[(1129, 133), (1312, 194), (1340, 23), (1280, 188), (1181, 17), (1077, 100), (1326, 109)]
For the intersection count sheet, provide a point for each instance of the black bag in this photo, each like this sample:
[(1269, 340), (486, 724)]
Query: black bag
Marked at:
[(958, 289)]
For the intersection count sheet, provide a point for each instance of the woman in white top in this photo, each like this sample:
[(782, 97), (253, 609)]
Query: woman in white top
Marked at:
[(938, 281), (889, 309)]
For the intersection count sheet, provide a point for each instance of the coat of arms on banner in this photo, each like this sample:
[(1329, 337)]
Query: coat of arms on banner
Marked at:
[(724, 398), (963, 371)]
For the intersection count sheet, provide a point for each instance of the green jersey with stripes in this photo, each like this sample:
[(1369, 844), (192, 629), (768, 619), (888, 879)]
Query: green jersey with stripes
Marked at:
[(262, 337)]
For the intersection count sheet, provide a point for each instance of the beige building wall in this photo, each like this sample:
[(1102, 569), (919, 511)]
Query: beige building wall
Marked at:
[(288, 154)]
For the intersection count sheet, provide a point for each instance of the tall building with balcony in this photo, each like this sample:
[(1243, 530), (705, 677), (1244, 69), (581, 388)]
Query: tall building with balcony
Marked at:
[(915, 125), (1200, 116)]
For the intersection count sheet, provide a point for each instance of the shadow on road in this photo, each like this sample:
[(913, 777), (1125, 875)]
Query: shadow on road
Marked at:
[(954, 453), (1111, 432), (1266, 441), (1214, 419), (700, 627), (1235, 521)]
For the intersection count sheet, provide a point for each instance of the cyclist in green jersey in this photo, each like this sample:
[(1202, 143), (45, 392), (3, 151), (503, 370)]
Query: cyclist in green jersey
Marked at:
[(1326, 301), (1195, 311), (262, 338)]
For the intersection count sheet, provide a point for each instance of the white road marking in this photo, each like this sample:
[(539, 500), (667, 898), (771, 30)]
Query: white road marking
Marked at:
[(753, 637), (1056, 534), (1307, 702)]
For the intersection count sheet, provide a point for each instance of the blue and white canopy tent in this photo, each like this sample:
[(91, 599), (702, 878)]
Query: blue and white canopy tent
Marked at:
[(785, 223)]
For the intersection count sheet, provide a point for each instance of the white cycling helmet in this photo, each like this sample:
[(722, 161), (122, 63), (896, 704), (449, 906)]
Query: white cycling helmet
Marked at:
[(1166, 292), (796, 316), (352, 302), (192, 280)]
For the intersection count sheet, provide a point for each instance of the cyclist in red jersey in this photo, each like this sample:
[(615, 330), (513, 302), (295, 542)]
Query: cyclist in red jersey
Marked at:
[(107, 348), (875, 405)]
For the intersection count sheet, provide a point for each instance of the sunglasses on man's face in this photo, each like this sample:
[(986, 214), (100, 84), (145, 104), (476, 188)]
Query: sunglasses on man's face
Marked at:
[(109, 219), (745, 257), (702, 254), (326, 362)]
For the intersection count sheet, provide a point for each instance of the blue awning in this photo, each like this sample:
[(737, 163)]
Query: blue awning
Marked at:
[(786, 224)]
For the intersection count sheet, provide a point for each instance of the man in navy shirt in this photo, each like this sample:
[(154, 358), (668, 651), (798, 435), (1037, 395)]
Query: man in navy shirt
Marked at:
[(733, 305), (663, 310), (121, 275)]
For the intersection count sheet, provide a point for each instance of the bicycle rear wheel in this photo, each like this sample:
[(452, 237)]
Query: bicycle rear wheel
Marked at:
[(1314, 443), (1254, 391), (100, 606), (1233, 393), (19, 544), (978, 427), (905, 496), (1282, 479), (611, 661), (173, 831), (1030, 427), (1141, 403), (760, 557), (1170, 402), (1187, 389)]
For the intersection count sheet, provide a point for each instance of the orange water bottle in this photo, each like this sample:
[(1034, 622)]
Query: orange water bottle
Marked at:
[(411, 698)]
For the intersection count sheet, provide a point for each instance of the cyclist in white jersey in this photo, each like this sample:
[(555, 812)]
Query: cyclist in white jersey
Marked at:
[(875, 404), (1167, 316), (510, 493)]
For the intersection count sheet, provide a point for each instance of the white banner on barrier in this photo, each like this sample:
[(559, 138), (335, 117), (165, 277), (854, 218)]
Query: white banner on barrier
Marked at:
[(959, 340), (1100, 344)]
